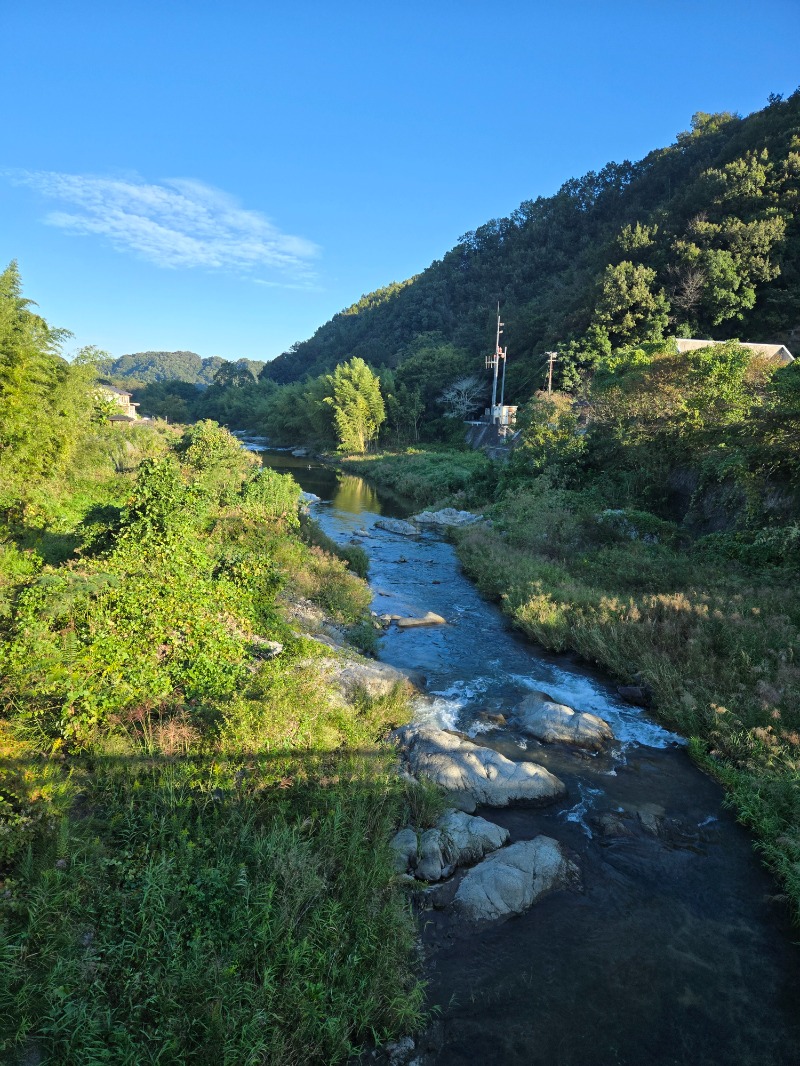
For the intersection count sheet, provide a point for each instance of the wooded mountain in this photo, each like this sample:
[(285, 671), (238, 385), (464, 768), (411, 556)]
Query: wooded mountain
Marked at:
[(150, 367), (701, 238)]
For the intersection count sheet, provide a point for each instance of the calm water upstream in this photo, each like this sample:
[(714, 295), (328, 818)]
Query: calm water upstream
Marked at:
[(676, 950)]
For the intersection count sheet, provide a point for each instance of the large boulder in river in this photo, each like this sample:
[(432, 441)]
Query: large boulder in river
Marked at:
[(457, 765), (430, 618), (445, 518), (511, 880), (397, 525), (456, 840), (551, 722)]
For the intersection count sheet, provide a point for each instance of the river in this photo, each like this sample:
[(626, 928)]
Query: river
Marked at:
[(676, 950)]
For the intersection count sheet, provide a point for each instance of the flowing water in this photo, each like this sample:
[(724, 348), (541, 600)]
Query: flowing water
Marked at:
[(675, 950)]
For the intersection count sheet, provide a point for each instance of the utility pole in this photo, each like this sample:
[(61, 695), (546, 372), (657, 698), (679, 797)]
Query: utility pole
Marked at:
[(551, 358), (493, 363)]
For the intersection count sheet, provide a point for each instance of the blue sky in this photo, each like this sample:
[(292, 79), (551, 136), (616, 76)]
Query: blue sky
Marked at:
[(225, 177)]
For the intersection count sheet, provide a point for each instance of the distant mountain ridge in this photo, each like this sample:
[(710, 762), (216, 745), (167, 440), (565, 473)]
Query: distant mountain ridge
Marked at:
[(148, 368), (701, 238)]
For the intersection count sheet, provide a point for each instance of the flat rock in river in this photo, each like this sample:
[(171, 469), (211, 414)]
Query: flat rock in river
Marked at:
[(428, 619), (513, 879), (445, 518), (553, 722), (458, 765), (397, 525)]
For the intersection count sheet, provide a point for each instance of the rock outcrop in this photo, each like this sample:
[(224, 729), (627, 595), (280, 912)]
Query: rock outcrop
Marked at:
[(373, 677), (458, 765), (513, 879), (551, 722), (445, 518), (456, 840), (397, 525)]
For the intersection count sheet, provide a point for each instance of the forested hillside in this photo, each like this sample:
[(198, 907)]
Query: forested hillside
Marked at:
[(701, 238), (147, 368)]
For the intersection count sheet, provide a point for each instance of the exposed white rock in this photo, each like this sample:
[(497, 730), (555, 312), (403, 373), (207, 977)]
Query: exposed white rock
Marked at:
[(373, 677), (430, 618), (448, 516), (551, 722), (456, 840), (468, 838), (511, 880), (458, 765), (397, 525)]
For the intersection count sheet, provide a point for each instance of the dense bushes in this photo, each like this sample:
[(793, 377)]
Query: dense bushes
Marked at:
[(193, 836)]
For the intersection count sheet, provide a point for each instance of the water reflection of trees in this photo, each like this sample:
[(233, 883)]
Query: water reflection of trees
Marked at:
[(353, 494)]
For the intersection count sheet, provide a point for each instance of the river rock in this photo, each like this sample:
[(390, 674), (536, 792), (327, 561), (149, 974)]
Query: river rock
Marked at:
[(651, 815), (457, 765), (468, 838), (637, 694), (553, 722), (374, 678), (513, 879), (404, 846), (428, 619), (456, 840), (397, 525), (445, 518), (300, 453)]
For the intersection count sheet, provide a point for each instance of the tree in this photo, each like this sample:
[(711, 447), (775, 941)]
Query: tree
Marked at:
[(233, 375), (357, 403), (630, 308), (45, 404), (463, 397)]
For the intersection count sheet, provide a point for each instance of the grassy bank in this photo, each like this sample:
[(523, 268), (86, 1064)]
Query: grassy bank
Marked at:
[(428, 476), (193, 833), (714, 640)]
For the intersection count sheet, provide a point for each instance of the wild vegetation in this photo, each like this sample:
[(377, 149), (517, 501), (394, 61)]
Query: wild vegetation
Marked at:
[(653, 525), (193, 830)]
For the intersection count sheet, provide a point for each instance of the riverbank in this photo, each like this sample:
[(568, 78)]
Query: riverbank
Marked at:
[(711, 644), (195, 814)]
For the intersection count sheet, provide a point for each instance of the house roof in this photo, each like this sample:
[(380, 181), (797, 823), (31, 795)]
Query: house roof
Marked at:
[(779, 352), (115, 390)]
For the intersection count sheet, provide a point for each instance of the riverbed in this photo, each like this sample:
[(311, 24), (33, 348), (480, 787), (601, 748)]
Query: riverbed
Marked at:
[(676, 948)]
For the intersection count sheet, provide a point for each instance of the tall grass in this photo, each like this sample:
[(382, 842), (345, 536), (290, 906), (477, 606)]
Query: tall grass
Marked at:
[(718, 651)]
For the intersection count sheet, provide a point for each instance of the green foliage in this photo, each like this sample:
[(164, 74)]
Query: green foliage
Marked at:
[(216, 460), (357, 404), (270, 495), (428, 477), (630, 306), (44, 402), (193, 838), (551, 440)]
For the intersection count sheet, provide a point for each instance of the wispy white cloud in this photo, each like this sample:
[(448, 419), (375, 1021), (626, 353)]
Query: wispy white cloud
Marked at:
[(179, 222)]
